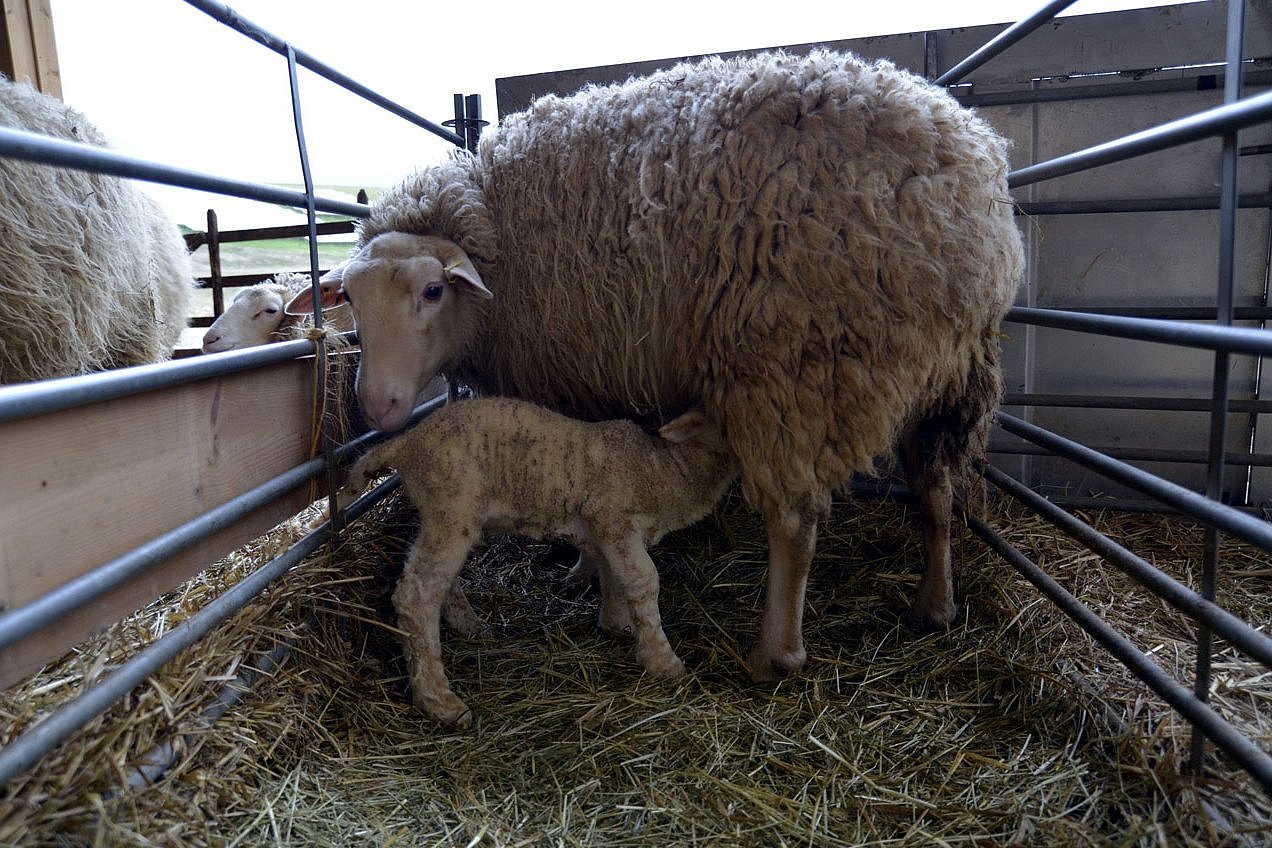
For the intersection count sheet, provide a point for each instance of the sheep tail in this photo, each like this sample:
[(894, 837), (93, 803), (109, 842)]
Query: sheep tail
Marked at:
[(957, 434)]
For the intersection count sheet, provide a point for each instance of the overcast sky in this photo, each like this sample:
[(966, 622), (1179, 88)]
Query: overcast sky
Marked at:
[(166, 82)]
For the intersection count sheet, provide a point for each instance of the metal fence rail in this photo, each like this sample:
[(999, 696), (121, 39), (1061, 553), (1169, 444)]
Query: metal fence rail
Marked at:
[(1226, 119), (27, 400)]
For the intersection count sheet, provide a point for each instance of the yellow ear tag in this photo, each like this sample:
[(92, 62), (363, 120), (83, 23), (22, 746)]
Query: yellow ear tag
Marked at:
[(446, 269)]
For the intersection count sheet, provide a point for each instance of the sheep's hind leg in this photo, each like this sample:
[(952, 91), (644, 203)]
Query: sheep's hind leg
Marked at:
[(929, 479), (792, 537), (425, 584), (629, 580)]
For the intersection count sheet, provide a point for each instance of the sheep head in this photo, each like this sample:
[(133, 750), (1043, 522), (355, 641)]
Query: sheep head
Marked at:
[(253, 318), (411, 296)]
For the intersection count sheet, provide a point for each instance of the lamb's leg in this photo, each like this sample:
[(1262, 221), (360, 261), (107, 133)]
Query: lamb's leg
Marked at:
[(616, 612), (629, 580), (426, 581), (792, 538), (929, 479), (459, 615), (586, 568)]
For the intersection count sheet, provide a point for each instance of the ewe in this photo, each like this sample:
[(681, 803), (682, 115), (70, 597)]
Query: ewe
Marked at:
[(93, 275), (818, 250)]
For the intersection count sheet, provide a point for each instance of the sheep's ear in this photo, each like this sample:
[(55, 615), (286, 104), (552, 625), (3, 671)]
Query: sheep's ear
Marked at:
[(331, 292), (459, 268), (685, 426)]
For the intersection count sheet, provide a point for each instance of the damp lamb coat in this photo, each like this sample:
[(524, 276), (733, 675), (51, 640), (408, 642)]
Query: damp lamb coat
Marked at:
[(93, 274), (818, 249)]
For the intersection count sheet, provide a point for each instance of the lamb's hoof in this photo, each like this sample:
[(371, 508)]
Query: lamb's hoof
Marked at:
[(664, 667), (464, 621), (583, 571), (616, 622), (922, 620), (448, 710), (768, 666)]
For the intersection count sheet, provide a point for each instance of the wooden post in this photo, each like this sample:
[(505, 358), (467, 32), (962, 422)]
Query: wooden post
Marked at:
[(28, 51)]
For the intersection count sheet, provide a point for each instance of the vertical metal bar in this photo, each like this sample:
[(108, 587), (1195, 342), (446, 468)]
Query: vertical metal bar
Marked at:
[(472, 121), (457, 123), (1219, 412), (321, 364), (1253, 426), (214, 265)]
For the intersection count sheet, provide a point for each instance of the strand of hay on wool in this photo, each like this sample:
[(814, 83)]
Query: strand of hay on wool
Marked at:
[(1012, 728)]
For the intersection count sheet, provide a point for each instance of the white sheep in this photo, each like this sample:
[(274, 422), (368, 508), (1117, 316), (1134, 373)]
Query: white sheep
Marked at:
[(93, 274), (817, 249), (504, 464), (258, 316)]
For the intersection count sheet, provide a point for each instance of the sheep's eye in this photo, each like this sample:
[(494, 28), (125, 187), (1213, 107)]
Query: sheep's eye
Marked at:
[(271, 310), (434, 292)]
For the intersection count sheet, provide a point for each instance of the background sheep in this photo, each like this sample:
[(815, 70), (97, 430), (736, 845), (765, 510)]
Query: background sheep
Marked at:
[(508, 465), (258, 316), (93, 275), (817, 249)]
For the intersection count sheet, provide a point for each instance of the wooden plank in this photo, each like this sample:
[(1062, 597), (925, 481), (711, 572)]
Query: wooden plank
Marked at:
[(28, 50), (83, 486)]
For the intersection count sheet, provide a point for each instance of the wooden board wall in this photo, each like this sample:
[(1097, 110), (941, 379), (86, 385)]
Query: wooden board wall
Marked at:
[(83, 486), (28, 51)]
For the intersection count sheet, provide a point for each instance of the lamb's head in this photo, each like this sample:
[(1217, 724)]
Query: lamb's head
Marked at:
[(253, 318), (413, 299), (698, 444)]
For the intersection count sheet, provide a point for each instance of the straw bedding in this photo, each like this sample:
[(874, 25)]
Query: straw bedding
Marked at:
[(1013, 728)]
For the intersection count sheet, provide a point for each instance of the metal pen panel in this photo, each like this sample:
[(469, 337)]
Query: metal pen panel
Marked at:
[(33, 147), (1236, 745), (1002, 41)]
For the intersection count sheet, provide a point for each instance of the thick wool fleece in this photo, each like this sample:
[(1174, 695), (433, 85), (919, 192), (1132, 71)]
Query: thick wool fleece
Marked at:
[(817, 248), (93, 275)]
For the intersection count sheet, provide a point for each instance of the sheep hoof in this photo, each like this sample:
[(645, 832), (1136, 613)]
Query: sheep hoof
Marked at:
[(465, 622), (583, 571), (923, 620), (767, 666), (446, 709), (665, 667), (616, 622)]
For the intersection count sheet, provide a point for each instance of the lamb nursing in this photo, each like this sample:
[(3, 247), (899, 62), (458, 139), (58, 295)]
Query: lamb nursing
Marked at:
[(817, 250), (502, 464)]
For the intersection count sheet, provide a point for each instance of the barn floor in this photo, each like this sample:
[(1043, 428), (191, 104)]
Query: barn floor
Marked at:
[(1013, 728)]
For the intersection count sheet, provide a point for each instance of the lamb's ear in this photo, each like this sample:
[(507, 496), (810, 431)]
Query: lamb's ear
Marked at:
[(331, 292), (684, 427), (459, 268)]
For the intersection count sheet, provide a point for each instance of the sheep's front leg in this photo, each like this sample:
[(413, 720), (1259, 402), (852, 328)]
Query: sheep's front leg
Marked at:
[(792, 538), (629, 580), (426, 582)]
